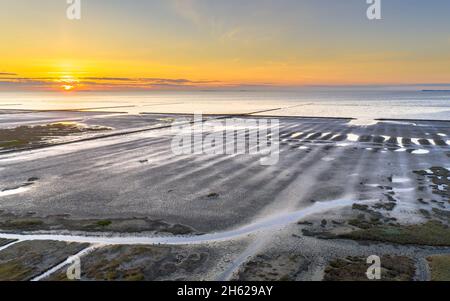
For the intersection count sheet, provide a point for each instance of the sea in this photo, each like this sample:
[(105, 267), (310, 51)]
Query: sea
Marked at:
[(344, 103)]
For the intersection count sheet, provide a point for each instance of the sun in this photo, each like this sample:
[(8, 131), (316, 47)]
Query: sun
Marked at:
[(68, 87), (68, 83)]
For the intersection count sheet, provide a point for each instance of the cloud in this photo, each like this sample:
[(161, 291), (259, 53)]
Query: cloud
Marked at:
[(188, 10), (215, 25), (9, 82), (7, 74), (102, 83), (150, 80), (108, 78)]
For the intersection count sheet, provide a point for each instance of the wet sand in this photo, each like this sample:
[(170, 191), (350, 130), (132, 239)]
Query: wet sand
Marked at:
[(132, 185)]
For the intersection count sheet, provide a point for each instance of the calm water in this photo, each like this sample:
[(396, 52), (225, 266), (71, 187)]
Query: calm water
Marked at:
[(357, 104)]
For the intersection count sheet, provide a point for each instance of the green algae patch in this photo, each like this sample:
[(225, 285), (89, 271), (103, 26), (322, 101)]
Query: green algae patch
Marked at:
[(34, 136), (25, 260), (432, 233), (440, 267), (142, 263), (10, 222), (393, 268), (273, 267), (104, 223)]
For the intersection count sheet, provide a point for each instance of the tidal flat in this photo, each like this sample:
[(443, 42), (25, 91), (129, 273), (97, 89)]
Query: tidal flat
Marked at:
[(339, 193)]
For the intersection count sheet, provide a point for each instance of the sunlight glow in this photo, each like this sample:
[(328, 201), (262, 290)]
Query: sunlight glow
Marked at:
[(68, 82)]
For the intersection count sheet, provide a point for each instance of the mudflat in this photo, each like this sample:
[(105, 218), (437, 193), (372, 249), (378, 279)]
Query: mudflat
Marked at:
[(339, 190)]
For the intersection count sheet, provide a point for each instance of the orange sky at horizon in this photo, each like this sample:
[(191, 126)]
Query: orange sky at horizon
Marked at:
[(194, 44)]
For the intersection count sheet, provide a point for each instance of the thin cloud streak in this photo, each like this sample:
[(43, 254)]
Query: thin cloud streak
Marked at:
[(104, 83), (92, 83)]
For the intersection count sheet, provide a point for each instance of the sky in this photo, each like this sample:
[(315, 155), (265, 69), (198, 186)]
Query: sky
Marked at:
[(210, 44)]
